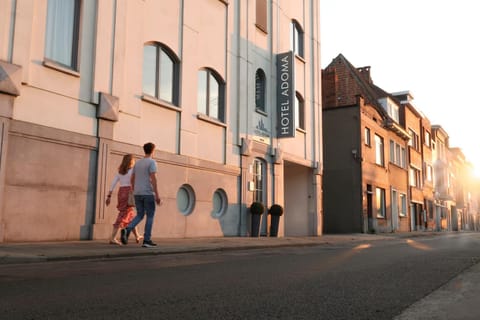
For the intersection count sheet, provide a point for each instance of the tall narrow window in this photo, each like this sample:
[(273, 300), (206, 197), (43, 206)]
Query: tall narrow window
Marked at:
[(299, 112), (210, 94), (427, 138), (367, 136), (259, 180), (392, 151), (397, 154), (160, 73), (414, 141), (380, 202), (260, 85), (261, 15), (403, 205), (415, 177), (62, 34), (296, 36), (379, 152), (429, 173)]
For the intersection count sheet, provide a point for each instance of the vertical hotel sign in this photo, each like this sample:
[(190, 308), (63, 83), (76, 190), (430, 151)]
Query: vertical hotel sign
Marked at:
[(285, 96)]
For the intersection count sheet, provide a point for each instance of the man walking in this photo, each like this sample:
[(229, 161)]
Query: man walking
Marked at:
[(144, 186)]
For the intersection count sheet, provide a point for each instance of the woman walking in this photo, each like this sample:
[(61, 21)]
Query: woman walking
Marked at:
[(125, 211)]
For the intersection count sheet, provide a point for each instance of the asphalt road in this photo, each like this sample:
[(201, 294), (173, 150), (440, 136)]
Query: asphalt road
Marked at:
[(368, 280)]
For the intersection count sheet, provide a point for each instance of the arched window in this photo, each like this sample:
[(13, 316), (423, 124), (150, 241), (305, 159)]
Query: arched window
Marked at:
[(299, 112), (210, 96), (296, 36), (160, 73), (260, 85)]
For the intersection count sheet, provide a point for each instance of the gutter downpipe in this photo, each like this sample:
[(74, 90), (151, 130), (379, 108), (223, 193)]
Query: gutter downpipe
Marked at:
[(237, 100)]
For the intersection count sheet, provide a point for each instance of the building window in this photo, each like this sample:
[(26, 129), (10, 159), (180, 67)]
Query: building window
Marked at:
[(210, 94), (160, 73), (429, 173), (367, 137), (403, 205), (379, 151), (185, 199), (220, 203), (430, 208), (259, 174), (391, 108), (428, 139), (261, 15), (299, 112), (414, 141), (380, 201), (62, 34), (392, 151), (414, 177), (397, 154), (296, 37), (260, 85)]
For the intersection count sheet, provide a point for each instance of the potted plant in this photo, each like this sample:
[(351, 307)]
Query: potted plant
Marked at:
[(275, 211), (256, 209)]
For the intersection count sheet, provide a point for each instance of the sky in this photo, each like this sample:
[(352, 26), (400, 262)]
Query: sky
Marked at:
[(430, 48)]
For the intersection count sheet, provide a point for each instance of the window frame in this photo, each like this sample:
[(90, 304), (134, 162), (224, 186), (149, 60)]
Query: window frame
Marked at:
[(297, 38), (260, 85), (428, 172), (414, 177), (366, 137), (393, 111), (221, 209), (299, 111), (380, 202), (261, 17), (259, 174), (379, 150), (403, 205), (414, 141), (397, 154), (428, 138), (212, 74), (50, 59), (174, 76)]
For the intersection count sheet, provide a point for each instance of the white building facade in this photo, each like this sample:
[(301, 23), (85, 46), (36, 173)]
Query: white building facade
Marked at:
[(229, 92)]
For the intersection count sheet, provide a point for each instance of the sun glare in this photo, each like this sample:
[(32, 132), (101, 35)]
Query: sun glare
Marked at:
[(476, 172)]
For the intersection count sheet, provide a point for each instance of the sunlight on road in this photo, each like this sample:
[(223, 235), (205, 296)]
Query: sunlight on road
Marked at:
[(362, 246), (418, 245), (339, 259)]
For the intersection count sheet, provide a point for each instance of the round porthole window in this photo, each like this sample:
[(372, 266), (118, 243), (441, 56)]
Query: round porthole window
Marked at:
[(220, 203), (185, 199)]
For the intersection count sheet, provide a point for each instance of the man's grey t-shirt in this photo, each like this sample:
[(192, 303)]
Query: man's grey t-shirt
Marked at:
[(142, 170)]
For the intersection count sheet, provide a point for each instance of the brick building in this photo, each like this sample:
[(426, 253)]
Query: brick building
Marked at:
[(365, 178)]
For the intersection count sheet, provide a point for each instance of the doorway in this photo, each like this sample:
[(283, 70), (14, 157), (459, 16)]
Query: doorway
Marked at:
[(371, 227), (300, 218)]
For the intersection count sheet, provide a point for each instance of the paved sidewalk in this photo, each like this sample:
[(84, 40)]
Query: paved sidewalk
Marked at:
[(92, 249), (458, 299)]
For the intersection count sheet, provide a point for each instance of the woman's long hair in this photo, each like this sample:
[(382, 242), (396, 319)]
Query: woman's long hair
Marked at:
[(126, 164)]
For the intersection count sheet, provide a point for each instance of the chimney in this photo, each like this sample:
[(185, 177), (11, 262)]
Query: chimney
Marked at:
[(365, 73)]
